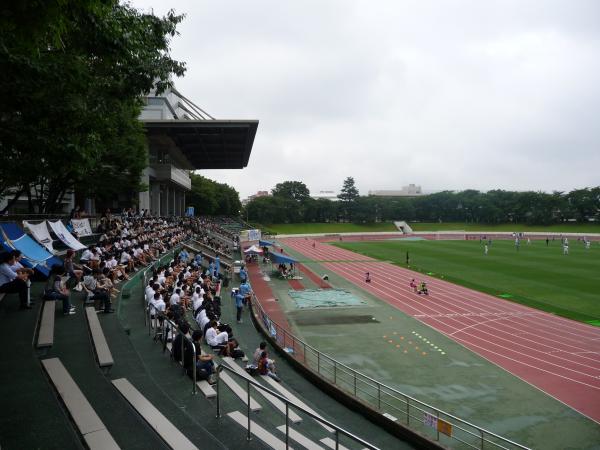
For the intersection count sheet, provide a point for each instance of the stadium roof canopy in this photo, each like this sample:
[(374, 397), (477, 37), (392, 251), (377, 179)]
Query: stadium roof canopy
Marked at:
[(204, 144)]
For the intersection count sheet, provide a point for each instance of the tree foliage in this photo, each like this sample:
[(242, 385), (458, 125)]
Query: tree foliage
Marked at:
[(495, 206), (211, 198), (73, 73), (291, 190), (349, 192)]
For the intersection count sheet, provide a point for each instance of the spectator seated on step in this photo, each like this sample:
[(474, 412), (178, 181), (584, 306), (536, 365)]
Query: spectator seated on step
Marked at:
[(20, 268), (11, 281), (216, 338), (158, 307), (86, 256), (95, 291), (72, 269), (56, 290), (204, 362), (266, 366)]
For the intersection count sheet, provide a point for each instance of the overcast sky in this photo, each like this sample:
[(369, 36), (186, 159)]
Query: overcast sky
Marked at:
[(444, 94)]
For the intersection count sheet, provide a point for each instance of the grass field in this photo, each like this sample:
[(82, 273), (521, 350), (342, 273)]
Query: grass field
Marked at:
[(563, 228), (537, 276)]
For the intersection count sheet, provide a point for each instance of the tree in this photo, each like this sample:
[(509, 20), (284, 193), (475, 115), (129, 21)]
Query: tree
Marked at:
[(292, 190), (584, 203), (70, 89), (209, 197), (348, 196), (349, 192)]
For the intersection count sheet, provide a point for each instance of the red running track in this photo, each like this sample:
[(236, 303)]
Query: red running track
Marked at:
[(557, 355)]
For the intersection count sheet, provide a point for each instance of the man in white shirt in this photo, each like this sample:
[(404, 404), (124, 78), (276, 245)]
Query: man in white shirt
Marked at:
[(126, 260), (202, 319), (158, 305), (175, 298), (214, 338), (149, 291), (197, 298)]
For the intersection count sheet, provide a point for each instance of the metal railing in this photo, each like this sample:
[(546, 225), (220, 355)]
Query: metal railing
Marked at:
[(249, 383), (433, 422)]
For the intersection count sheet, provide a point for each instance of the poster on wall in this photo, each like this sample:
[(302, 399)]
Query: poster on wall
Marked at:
[(189, 211), (250, 235), (82, 227)]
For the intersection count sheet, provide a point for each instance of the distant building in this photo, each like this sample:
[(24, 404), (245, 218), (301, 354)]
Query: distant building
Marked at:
[(328, 195), (254, 196), (411, 190)]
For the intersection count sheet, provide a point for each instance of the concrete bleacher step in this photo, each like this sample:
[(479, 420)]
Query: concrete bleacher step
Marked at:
[(239, 391), (300, 439), (165, 429), (258, 431), (46, 334), (103, 354), (331, 444), (206, 388), (291, 397), (295, 418), (87, 421)]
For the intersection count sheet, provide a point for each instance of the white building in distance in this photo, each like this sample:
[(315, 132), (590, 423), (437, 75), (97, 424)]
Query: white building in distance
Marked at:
[(411, 190), (325, 194)]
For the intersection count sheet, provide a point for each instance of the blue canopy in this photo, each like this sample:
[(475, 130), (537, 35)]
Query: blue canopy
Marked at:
[(265, 243), (35, 256), (281, 259)]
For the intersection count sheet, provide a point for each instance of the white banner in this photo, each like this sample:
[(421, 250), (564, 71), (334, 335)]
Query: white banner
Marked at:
[(64, 235), (250, 235), (41, 234), (82, 227)]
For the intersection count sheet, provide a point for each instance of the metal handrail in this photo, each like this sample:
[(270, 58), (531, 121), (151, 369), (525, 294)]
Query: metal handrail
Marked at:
[(282, 337), (288, 403)]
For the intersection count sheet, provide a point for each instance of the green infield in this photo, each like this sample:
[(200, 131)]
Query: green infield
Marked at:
[(308, 228), (537, 275), (512, 227)]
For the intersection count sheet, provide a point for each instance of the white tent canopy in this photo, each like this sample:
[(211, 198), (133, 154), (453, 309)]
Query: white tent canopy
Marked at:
[(253, 250), (41, 234), (63, 234)]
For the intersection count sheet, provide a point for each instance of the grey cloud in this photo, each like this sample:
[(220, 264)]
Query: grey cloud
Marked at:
[(448, 95)]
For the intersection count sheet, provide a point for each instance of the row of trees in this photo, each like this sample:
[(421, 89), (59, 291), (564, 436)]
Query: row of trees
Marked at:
[(211, 198), (73, 76), (291, 203)]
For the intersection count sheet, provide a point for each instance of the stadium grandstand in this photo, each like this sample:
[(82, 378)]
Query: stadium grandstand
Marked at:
[(105, 359)]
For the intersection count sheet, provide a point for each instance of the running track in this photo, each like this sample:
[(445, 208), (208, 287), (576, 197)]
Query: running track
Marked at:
[(557, 355)]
